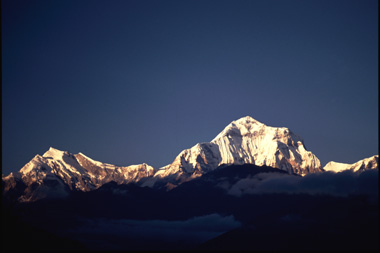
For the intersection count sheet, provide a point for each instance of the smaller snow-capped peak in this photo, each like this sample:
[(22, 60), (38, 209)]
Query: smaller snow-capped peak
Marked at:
[(365, 164), (54, 153), (36, 161), (336, 166), (73, 172)]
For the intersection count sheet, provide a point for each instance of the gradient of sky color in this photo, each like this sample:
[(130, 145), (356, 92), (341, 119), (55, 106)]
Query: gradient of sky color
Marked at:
[(127, 82)]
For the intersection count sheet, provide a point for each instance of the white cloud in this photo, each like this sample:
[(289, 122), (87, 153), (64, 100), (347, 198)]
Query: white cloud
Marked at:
[(337, 184)]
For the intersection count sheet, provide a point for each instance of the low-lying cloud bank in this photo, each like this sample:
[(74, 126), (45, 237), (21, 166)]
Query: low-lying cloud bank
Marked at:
[(194, 230), (340, 184)]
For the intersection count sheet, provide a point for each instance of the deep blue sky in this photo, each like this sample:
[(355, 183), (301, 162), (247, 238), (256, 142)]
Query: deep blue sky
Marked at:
[(127, 82)]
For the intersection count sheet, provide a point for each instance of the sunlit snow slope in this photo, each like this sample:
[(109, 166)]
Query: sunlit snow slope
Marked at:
[(365, 164), (243, 141), (56, 172)]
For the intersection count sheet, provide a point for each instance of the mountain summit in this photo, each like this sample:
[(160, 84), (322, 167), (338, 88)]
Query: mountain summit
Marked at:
[(250, 141), (56, 173), (365, 164), (244, 141)]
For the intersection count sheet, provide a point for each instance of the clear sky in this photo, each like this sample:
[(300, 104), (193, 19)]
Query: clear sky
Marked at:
[(127, 82)]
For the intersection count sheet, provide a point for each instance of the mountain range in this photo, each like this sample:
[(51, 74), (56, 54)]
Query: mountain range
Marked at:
[(244, 141), (253, 187)]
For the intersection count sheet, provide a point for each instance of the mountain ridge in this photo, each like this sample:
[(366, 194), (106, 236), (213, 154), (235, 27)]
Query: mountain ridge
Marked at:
[(243, 141), (364, 164), (66, 172)]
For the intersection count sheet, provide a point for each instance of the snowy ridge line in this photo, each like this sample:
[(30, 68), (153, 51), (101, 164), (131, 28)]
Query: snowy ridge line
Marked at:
[(244, 141), (365, 164)]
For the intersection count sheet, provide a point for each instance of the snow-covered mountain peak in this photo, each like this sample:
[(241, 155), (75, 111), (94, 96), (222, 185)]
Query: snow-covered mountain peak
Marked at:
[(247, 140), (336, 166), (365, 164), (54, 153), (241, 126), (61, 171), (248, 120), (243, 141), (252, 128), (37, 161)]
